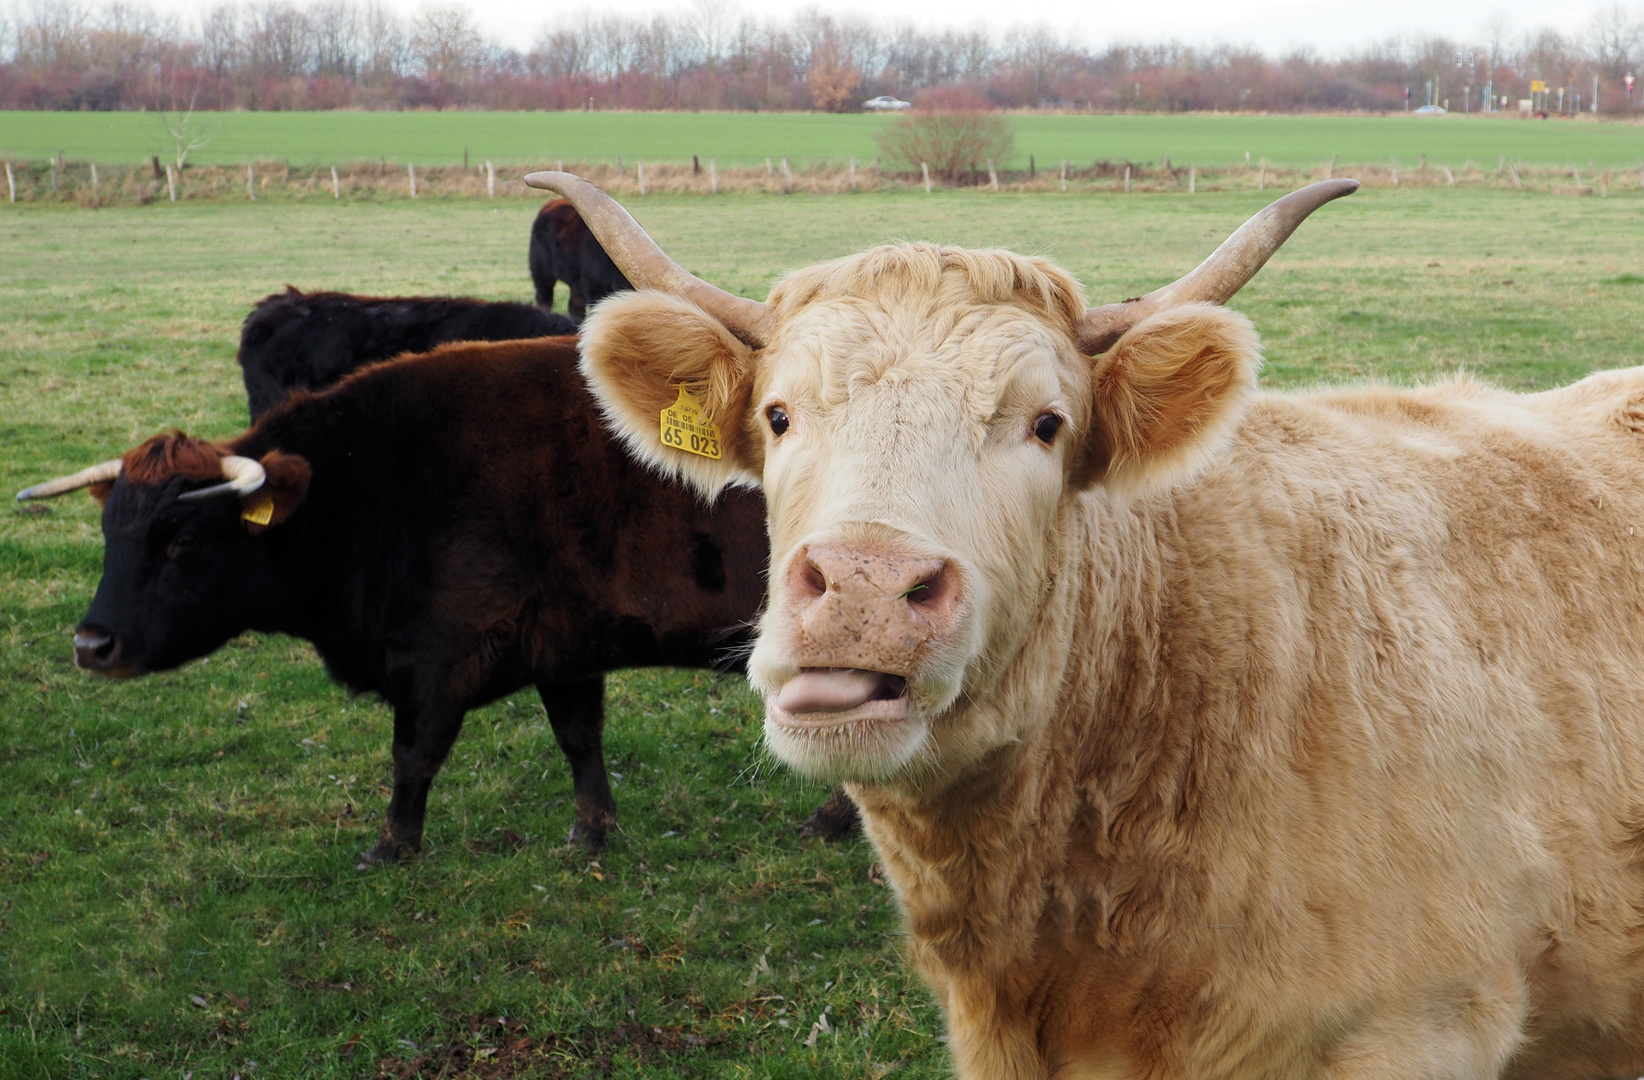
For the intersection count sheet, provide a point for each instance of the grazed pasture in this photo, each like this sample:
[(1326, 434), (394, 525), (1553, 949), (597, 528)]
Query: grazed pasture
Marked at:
[(177, 882)]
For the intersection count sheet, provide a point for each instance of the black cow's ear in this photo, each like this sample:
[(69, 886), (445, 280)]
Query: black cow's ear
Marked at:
[(282, 492), (100, 491)]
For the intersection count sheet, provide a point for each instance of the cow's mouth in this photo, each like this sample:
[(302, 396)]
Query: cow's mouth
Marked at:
[(821, 697)]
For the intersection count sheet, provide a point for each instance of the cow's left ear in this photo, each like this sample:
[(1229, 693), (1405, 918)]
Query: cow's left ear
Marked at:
[(282, 492), (1167, 396), (675, 385)]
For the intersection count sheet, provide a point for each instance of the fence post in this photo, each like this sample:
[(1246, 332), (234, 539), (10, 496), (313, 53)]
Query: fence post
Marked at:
[(1127, 179), (490, 181), (1449, 178), (336, 187), (250, 182), (993, 177), (787, 178), (1064, 174), (768, 170), (1395, 162), (1604, 191), (924, 168), (54, 175), (1501, 165), (11, 184), (1330, 167), (94, 195), (465, 157), (713, 176), (1261, 180), (642, 176), (1192, 179), (559, 166), (411, 171), (853, 172), (1512, 170), (171, 182)]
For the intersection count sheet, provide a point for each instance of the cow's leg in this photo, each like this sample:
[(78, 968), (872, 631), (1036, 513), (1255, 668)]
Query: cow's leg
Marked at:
[(833, 820), (545, 292), (422, 738), (577, 305), (577, 711)]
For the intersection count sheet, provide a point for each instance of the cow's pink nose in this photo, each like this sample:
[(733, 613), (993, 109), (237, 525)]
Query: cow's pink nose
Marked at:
[(870, 609)]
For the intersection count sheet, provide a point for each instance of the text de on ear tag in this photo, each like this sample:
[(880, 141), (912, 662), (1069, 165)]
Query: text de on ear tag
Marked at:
[(258, 509), (684, 427)]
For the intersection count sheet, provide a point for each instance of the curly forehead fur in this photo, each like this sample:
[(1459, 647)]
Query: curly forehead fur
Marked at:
[(937, 278), (173, 453)]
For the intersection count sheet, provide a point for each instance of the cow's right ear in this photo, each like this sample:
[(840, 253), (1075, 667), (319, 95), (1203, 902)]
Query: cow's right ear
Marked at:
[(640, 350), (101, 491), (285, 484)]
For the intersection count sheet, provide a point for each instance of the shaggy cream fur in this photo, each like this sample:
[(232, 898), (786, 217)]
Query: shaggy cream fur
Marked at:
[(1278, 735)]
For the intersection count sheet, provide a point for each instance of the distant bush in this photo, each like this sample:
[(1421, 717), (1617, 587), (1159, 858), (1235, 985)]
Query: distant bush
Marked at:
[(950, 130)]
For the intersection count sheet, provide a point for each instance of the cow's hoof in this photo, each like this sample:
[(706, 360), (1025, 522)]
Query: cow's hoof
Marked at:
[(591, 835), (386, 851), (835, 819)]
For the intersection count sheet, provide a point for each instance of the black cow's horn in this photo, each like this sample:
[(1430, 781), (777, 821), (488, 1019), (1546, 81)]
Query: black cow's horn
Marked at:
[(242, 476), (1220, 276), (97, 474), (648, 266)]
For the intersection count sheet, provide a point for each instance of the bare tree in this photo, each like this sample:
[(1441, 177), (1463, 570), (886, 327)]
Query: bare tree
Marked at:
[(951, 131), (1613, 40), (187, 131), (336, 37), (445, 42), (383, 50), (220, 39)]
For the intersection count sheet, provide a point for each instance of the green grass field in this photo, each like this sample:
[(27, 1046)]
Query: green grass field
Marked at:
[(177, 883), (440, 138)]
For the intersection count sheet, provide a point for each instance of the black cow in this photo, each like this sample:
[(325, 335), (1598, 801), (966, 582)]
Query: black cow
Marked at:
[(306, 341), (562, 249), (445, 529)]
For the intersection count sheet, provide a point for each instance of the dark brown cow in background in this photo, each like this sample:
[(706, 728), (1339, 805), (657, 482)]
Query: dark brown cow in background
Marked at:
[(306, 341), (445, 530), (562, 249)]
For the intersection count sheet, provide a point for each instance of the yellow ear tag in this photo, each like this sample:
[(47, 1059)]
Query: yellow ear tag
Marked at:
[(259, 509), (684, 427)]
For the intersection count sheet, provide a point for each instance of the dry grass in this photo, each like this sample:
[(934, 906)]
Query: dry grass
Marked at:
[(381, 181)]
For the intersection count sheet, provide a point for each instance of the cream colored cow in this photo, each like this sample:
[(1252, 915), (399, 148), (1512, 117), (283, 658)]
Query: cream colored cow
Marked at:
[(1203, 732)]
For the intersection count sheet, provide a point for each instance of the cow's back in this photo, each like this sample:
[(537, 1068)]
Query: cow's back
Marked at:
[(517, 517)]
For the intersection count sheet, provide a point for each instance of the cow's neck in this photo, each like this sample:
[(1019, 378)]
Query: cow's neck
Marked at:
[(1039, 844)]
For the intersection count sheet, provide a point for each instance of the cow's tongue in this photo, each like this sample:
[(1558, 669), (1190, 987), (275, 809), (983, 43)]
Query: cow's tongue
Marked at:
[(837, 689)]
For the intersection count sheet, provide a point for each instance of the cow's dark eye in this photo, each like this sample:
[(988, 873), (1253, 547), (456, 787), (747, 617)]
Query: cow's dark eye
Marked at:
[(1046, 427), (778, 417), (180, 543)]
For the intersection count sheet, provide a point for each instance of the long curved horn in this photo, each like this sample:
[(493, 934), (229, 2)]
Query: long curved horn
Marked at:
[(1220, 276), (241, 475), (648, 266), (100, 473)]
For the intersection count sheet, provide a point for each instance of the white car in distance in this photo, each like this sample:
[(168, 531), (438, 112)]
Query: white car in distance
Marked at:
[(885, 102)]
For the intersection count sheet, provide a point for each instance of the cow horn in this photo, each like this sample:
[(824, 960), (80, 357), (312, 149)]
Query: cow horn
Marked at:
[(242, 476), (648, 266), (1220, 276), (101, 473)]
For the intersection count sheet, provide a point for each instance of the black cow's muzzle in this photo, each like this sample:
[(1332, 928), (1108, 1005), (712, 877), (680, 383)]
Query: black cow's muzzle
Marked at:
[(96, 649)]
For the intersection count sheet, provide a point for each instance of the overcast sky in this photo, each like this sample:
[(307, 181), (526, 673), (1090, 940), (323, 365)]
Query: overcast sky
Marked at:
[(1329, 26)]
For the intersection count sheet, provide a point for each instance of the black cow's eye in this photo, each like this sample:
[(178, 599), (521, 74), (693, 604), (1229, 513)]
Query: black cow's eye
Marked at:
[(1046, 427), (180, 543), (778, 417)]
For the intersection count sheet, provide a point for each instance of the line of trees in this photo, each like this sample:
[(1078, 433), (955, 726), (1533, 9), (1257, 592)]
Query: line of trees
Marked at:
[(275, 54)]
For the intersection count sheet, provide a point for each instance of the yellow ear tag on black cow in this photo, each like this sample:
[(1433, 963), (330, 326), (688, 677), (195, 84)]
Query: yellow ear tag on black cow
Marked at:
[(259, 509), (684, 427)]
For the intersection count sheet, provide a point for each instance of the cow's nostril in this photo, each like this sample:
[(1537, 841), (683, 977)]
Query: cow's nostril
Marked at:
[(812, 580), (94, 648)]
